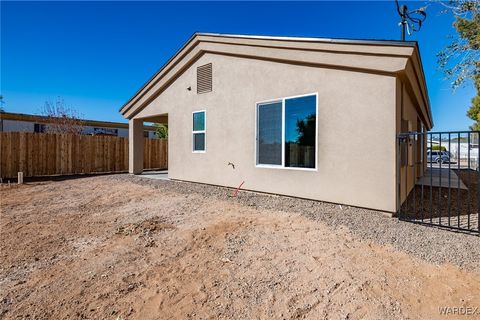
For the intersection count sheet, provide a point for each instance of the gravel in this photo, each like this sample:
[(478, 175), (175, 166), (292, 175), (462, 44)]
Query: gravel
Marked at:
[(432, 244)]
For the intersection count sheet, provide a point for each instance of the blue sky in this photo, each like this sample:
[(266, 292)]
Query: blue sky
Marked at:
[(96, 55)]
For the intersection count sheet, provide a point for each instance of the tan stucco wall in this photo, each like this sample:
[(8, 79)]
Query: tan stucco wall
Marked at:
[(366, 58), (356, 130), (409, 110)]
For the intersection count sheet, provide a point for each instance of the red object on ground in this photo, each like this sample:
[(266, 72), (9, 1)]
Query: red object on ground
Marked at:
[(236, 190)]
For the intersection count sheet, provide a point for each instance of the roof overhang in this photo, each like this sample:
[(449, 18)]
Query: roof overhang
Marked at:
[(370, 56)]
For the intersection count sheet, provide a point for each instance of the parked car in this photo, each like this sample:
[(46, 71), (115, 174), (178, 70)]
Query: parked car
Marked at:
[(438, 156)]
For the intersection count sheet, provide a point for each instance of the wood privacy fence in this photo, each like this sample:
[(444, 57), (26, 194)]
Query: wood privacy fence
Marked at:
[(42, 154)]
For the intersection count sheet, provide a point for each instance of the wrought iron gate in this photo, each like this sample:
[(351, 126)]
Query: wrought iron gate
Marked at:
[(439, 180)]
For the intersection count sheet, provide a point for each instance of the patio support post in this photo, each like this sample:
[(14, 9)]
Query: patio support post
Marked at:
[(135, 146)]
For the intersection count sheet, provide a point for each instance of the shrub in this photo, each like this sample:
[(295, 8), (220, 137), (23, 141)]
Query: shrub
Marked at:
[(437, 147)]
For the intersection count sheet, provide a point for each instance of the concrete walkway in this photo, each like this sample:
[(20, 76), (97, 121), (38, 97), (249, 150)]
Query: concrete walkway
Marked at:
[(159, 175), (439, 178)]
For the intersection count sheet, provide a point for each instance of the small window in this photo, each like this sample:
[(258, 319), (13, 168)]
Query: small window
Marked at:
[(287, 132), (39, 128), (198, 131)]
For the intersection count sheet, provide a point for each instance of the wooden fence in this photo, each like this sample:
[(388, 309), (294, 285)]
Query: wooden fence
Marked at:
[(42, 154)]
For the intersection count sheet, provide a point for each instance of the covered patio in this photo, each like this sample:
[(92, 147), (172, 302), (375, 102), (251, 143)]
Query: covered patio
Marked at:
[(155, 174), (136, 142), (441, 177)]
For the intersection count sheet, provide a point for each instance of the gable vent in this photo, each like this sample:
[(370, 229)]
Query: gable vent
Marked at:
[(204, 78)]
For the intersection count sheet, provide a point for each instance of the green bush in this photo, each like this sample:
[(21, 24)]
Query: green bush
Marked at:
[(161, 130), (437, 147)]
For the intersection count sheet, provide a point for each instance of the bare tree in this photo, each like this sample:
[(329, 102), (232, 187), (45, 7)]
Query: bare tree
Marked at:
[(460, 60), (61, 118), (1, 103)]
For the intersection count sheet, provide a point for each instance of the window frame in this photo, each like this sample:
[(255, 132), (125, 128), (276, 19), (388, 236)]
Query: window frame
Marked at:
[(282, 166), (204, 131)]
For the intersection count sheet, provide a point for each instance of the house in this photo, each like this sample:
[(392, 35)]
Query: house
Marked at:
[(463, 150), (20, 122), (305, 117), (431, 143)]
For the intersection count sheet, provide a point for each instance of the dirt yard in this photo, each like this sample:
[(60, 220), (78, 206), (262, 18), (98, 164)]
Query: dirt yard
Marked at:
[(110, 248)]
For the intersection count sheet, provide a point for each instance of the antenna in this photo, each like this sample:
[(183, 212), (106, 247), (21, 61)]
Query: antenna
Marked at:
[(411, 21)]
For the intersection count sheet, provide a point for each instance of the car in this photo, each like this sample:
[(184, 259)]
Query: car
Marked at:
[(438, 156)]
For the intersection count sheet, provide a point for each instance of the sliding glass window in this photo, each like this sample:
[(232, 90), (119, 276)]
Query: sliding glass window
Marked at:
[(269, 141), (287, 132)]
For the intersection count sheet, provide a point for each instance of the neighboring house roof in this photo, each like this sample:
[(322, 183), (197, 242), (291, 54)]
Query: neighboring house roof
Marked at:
[(84, 122), (395, 58)]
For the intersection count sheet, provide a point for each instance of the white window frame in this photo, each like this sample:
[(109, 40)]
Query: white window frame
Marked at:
[(282, 166), (204, 131)]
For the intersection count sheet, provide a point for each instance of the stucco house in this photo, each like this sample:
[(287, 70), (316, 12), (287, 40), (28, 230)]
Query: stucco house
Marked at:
[(305, 117)]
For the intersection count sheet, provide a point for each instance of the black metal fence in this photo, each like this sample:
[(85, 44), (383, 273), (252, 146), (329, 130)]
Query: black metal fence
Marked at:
[(439, 180)]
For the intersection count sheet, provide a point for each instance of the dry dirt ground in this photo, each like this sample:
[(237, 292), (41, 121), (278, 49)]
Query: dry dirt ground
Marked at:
[(109, 248)]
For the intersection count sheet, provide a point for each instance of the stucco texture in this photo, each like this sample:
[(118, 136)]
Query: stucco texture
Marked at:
[(356, 131)]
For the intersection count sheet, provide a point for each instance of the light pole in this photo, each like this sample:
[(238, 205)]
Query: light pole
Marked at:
[(410, 21)]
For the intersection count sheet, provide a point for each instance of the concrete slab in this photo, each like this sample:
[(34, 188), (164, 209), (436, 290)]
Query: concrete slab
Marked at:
[(464, 221), (439, 178), (159, 175)]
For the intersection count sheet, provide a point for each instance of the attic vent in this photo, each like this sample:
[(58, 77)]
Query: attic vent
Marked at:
[(204, 78)]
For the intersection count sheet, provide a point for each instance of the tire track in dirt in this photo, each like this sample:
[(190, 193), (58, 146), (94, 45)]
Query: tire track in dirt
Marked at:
[(155, 254)]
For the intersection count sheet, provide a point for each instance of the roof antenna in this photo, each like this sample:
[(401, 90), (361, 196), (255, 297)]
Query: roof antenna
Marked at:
[(411, 21)]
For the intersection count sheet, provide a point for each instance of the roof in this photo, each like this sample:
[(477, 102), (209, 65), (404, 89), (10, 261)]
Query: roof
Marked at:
[(44, 119), (200, 43), (311, 39)]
